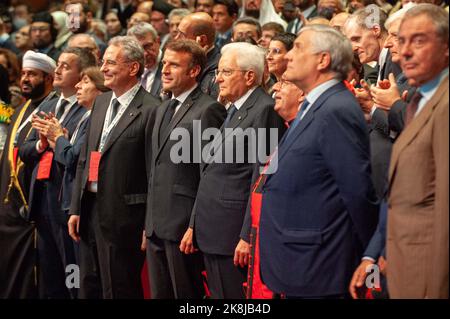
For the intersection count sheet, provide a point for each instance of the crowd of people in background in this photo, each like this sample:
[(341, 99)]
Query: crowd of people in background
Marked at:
[(351, 201)]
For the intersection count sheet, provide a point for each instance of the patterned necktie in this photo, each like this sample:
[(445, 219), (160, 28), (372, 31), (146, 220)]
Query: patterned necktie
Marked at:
[(62, 109), (115, 109), (411, 108), (170, 111), (231, 111), (297, 119)]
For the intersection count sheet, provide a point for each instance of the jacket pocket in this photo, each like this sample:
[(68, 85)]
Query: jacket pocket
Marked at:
[(183, 190), (307, 237), (135, 199)]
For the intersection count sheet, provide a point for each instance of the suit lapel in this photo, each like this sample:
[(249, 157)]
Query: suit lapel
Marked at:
[(285, 144), (156, 82), (98, 119), (179, 115), (132, 111), (411, 131), (237, 119)]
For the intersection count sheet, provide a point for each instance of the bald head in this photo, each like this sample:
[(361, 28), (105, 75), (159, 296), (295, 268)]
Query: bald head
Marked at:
[(198, 26), (83, 40)]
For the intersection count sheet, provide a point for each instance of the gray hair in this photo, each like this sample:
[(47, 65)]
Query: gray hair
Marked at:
[(179, 13), (248, 57), (141, 30), (399, 14), (132, 50), (328, 39), (368, 17), (437, 16), (85, 36)]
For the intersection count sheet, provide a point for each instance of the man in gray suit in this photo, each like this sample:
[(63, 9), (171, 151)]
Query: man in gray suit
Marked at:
[(220, 219), (110, 188), (173, 185)]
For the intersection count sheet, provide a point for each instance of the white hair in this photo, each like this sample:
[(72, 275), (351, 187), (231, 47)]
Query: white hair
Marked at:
[(399, 14), (248, 57), (328, 39), (141, 30)]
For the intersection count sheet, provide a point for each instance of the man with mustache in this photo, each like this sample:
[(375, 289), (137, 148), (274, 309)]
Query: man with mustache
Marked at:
[(17, 269)]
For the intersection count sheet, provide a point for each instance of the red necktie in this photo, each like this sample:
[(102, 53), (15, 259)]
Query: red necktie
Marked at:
[(411, 108)]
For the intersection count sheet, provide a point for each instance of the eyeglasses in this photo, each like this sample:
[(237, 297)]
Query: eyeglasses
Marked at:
[(274, 51), (41, 29), (227, 72)]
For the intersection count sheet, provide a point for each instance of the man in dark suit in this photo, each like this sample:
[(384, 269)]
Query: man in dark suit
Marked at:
[(220, 219), (17, 242), (55, 247), (110, 188), (147, 36), (173, 185), (308, 9), (199, 26), (319, 207)]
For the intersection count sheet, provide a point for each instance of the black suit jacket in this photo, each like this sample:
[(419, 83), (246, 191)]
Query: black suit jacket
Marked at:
[(122, 181), (221, 216), (173, 186), (49, 189), (208, 76)]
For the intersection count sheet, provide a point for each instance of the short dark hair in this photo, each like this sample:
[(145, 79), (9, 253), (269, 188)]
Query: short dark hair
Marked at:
[(286, 38), (273, 26), (198, 55), (232, 7), (251, 21), (85, 57)]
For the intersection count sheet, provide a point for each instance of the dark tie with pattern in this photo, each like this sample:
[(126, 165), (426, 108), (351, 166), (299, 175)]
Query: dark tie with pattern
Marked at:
[(231, 111), (115, 109), (297, 119), (411, 108), (165, 123), (62, 109)]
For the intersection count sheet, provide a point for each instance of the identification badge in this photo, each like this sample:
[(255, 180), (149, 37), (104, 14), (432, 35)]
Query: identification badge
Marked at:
[(93, 166), (45, 166)]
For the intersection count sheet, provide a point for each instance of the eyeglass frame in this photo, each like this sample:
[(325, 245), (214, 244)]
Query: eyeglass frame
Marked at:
[(217, 72)]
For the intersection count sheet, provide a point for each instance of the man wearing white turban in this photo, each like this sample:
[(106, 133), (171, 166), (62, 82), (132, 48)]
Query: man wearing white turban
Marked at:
[(262, 10), (17, 260)]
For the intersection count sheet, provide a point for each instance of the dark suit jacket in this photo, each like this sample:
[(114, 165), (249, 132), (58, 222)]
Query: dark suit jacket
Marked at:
[(157, 85), (29, 155), (208, 76), (223, 193), (173, 186), (319, 208), (122, 182), (67, 155), (292, 25)]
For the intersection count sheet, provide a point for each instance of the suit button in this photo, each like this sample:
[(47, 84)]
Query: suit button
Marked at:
[(158, 163)]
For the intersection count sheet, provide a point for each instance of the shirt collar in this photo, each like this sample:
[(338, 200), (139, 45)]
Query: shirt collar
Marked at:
[(239, 102), (308, 11), (319, 90), (72, 99), (125, 97), (428, 89), (183, 96)]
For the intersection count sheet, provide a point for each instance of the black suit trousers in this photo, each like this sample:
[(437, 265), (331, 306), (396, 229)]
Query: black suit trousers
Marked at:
[(107, 271), (173, 274)]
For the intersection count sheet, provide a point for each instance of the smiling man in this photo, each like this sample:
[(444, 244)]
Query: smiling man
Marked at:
[(110, 189), (174, 267)]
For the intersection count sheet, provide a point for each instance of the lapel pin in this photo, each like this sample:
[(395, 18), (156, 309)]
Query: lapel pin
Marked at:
[(131, 114), (239, 117)]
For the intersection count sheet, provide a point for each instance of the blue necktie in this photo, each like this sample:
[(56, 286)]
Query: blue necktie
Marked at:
[(297, 119), (231, 111)]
